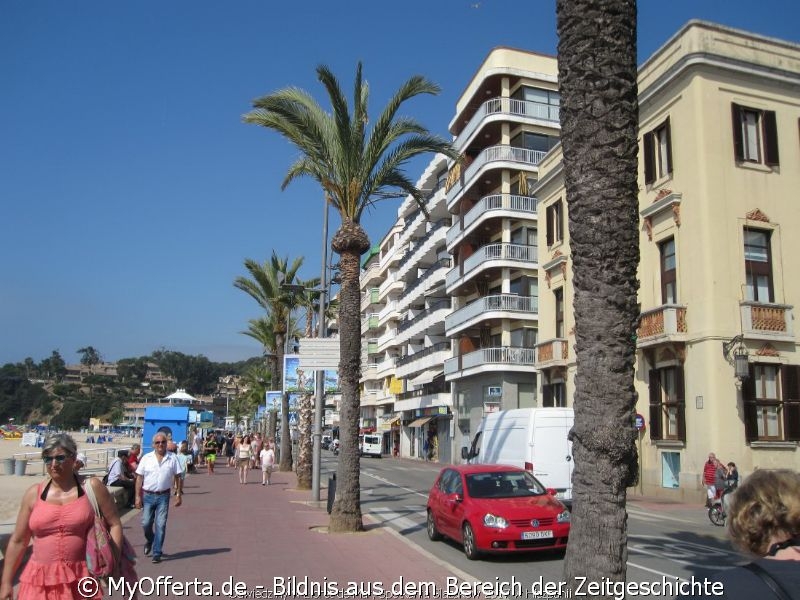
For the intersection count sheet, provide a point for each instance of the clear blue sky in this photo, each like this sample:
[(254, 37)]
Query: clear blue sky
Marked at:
[(130, 190)]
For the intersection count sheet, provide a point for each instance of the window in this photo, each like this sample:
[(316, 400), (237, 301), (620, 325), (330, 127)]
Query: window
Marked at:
[(772, 403), (757, 265), (559, 298), (755, 135), (667, 405), (537, 102), (669, 286), (555, 223), (526, 236), (554, 394), (524, 337), (533, 141), (657, 153)]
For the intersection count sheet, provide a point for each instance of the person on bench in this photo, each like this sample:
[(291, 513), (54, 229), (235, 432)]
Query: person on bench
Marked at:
[(118, 476)]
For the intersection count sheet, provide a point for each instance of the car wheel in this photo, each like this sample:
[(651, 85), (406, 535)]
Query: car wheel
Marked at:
[(468, 536), (433, 533)]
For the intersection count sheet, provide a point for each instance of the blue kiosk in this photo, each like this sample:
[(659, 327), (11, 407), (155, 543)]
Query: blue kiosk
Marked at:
[(171, 420)]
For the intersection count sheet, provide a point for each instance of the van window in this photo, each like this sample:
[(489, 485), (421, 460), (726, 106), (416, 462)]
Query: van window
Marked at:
[(372, 439)]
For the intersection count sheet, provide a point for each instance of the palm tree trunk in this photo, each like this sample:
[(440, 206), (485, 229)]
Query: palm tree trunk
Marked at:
[(349, 241), (599, 114), (304, 454)]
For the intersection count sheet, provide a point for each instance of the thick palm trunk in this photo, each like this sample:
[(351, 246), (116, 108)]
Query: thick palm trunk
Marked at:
[(350, 241), (304, 454), (597, 78)]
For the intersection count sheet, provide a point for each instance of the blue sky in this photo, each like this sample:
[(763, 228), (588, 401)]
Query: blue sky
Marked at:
[(131, 192)]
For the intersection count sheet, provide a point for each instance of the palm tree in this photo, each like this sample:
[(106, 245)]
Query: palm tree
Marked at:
[(263, 331), (265, 288), (355, 168), (599, 112)]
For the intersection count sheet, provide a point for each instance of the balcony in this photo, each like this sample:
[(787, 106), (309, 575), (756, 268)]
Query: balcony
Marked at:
[(505, 108), (423, 283), (429, 320), (492, 256), (552, 353), (496, 157), (427, 358), (372, 274), (389, 312), (499, 306), (495, 206), (769, 322), (370, 322), (424, 248), (370, 297), (488, 360), (386, 367), (661, 325)]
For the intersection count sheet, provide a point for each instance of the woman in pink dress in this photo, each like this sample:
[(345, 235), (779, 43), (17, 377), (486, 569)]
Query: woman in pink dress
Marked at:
[(59, 517)]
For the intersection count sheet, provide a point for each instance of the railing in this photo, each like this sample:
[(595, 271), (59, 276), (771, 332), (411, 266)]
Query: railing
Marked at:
[(437, 387), (371, 322), (442, 262), (771, 319), (501, 251), (403, 325), (668, 319), (509, 106), (419, 243), (505, 153), (495, 202), (500, 302), (505, 355), (423, 353)]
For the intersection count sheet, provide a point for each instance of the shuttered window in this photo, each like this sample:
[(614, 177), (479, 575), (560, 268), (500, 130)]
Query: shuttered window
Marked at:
[(667, 404), (772, 403), (657, 153), (555, 225), (755, 135)]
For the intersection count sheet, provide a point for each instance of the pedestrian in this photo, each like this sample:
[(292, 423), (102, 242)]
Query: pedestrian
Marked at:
[(255, 451), (764, 521), (157, 472), (57, 514), (133, 457), (119, 476), (230, 449), (197, 447), (710, 478), (183, 459), (210, 449), (243, 456), (267, 463), (80, 461), (425, 448)]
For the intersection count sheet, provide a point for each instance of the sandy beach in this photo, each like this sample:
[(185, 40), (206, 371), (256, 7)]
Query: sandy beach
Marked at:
[(12, 487)]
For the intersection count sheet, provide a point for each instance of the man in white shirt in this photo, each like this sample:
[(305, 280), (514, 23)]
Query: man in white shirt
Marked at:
[(156, 474), (118, 476)]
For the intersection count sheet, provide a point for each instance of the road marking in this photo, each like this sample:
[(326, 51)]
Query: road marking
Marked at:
[(649, 570), (395, 519), (645, 515), (387, 482)]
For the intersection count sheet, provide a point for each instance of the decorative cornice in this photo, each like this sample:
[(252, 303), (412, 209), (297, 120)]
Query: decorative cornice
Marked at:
[(767, 350), (665, 200), (757, 215)]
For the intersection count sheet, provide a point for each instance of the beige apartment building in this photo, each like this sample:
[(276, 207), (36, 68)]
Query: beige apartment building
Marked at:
[(718, 368)]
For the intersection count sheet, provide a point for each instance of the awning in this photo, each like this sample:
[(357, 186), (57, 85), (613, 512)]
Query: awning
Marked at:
[(424, 377), (420, 422)]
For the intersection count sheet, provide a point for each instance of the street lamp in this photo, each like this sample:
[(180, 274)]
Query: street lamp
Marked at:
[(741, 365)]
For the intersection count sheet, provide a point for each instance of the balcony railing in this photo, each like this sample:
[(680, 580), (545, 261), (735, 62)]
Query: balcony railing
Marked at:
[(490, 252), (511, 107), (502, 153), (442, 262), (761, 319), (669, 319), (493, 203), (423, 353), (498, 302), (439, 386), (403, 325), (505, 355), (421, 241)]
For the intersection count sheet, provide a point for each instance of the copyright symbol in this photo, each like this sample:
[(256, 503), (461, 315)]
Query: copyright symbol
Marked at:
[(88, 587)]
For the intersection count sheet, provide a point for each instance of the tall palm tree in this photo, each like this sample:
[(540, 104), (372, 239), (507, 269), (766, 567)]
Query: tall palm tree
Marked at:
[(355, 168), (265, 288), (263, 331), (599, 115)]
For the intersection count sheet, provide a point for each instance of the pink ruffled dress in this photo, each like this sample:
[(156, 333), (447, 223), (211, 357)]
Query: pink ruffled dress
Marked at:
[(58, 561)]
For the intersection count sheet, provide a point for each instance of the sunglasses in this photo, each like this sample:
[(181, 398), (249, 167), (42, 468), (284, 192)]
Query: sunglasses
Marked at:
[(161, 442), (59, 458)]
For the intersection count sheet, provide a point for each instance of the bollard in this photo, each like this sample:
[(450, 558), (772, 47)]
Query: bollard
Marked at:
[(331, 492)]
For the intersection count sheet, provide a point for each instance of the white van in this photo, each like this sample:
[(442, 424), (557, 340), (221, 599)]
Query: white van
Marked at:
[(371, 445), (534, 439)]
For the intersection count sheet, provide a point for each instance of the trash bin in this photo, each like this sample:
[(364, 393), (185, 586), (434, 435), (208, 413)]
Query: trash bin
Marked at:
[(20, 465), (331, 492), (8, 466)]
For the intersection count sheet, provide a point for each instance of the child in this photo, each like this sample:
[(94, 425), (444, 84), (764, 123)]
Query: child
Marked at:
[(267, 457)]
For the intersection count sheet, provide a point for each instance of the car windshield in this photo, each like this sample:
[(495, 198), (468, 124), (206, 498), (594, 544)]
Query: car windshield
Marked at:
[(503, 484)]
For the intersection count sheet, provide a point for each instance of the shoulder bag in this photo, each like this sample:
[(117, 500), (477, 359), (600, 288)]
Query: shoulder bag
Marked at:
[(769, 580), (99, 546)]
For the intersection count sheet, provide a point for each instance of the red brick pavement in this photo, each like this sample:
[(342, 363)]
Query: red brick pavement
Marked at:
[(253, 533)]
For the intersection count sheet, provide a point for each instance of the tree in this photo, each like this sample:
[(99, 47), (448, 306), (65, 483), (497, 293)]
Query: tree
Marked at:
[(265, 288), (599, 116), (355, 168), (90, 356)]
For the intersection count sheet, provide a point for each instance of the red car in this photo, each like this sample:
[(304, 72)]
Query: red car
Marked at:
[(495, 508)]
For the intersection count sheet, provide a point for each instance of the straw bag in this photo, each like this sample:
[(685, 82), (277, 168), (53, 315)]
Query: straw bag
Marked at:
[(99, 546)]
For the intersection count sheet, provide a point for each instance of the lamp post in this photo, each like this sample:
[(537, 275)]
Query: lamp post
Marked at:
[(319, 399)]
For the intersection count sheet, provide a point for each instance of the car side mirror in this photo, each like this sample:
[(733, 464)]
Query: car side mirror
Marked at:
[(464, 452), (456, 498), (552, 492)]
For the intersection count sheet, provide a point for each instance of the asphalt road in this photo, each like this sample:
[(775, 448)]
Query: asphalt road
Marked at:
[(671, 541)]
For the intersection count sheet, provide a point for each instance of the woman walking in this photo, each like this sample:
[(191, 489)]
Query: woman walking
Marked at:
[(243, 459)]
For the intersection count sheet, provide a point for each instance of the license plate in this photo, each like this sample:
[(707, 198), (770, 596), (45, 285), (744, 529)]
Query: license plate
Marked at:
[(561, 495), (537, 535)]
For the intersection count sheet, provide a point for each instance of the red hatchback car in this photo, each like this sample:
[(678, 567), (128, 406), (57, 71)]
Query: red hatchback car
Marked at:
[(495, 508)]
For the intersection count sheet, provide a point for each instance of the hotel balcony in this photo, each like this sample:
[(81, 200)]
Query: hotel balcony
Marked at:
[(429, 320), (661, 325), (491, 256), (769, 322), (493, 157), (386, 367), (552, 353), (370, 322), (430, 278), (496, 206), (392, 283), (499, 306), (502, 109), (370, 297), (436, 393), (489, 360), (387, 340), (388, 313), (371, 275), (424, 248), (427, 358)]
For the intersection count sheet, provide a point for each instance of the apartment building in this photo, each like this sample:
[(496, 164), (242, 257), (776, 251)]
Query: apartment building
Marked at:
[(506, 121), (718, 367), (404, 304)]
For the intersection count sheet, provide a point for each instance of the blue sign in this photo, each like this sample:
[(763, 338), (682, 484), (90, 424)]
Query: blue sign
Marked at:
[(640, 426)]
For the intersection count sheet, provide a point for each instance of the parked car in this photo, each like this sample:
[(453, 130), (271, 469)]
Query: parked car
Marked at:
[(496, 508)]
